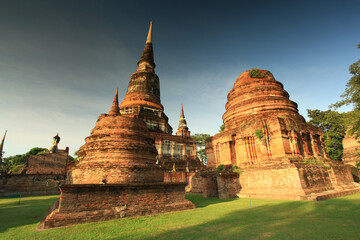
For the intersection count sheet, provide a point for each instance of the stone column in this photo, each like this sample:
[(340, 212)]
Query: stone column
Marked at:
[(314, 143)]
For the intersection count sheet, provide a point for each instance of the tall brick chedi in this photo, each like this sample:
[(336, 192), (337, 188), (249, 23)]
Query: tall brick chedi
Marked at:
[(117, 176), (282, 156), (142, 99)]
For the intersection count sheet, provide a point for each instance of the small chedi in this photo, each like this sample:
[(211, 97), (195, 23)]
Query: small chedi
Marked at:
[(281, 156), (142, 99)]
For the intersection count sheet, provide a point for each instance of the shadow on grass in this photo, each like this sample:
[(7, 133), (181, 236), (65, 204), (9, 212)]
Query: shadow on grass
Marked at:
[(201, 202), (30, 210), (330, 219)]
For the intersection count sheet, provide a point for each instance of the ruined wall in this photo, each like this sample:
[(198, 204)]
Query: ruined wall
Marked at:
[(228, 185), (194, 183), (209, 185), (30, 184), (100, 202), (351, 145), (47, 163), (280, 182), (340, 176), (175, 177)]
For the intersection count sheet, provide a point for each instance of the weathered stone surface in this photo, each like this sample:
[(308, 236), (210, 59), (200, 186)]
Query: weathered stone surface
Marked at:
[(119, 171), (47, 163), (281, 155), (119, 150), (351, 146), (142, 100), (82, 203), (228, 185), (195, 183), (209, 185), (30, 184)]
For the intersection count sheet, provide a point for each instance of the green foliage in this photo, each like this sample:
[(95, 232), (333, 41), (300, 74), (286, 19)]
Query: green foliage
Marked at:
[(351, 96), (70, 159), (315, 161), (200, 146), (222, 128), (256, 73), (10, 164), (36, 151), (358, 165), (236, 169), (220, 167), (259, 133), (332, 125), (16, 169)]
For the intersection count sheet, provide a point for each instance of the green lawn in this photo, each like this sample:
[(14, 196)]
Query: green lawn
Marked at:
[(212, 219)]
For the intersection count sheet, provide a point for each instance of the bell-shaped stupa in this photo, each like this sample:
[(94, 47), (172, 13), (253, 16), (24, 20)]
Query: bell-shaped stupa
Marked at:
[(267, 137), (119, 150)]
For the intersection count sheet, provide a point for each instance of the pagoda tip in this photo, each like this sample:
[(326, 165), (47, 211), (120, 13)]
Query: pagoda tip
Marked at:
[(114, 110), (149, 37)]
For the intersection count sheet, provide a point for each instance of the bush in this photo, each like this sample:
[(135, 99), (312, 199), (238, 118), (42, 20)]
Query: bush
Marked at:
[(220, 168), (256, 73), (259, 133), (236, 169)]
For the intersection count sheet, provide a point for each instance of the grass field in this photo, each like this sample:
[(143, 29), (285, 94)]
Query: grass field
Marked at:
[(212, 219)]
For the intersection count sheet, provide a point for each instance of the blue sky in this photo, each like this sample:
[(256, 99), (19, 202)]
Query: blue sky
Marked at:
[(61, 61)]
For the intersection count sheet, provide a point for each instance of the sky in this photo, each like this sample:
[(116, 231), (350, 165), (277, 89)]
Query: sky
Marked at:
[(61, 61)]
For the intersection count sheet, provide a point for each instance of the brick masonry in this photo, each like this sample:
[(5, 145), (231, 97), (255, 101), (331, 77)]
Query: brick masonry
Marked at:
[(95, 202), (47, 163), (30, 184), (280, 154)]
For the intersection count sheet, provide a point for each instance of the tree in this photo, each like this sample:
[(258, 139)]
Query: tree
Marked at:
[(200, 146), (222, 128), (351, 96), (332, 125), (15, 163)]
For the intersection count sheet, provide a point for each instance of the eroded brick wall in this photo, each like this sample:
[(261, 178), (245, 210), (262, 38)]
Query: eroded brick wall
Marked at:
[(228, 185), (175, 177), (209, 185), (195, 183), (30, 184), (98, 202), (47, 163)]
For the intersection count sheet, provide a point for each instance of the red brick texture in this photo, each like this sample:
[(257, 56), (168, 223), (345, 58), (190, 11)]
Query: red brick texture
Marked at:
[(47, 163), (81, 203), (281, 155), (119, 150), (116, 176), (30, 184)]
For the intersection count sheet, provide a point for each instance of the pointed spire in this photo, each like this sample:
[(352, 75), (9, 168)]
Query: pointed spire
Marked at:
[(114, 110), (149, 37), (146, 61), (183, 130), (1, 148)]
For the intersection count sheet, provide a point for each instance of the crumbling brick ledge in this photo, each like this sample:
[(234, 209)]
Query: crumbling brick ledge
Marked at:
[(80, 203)]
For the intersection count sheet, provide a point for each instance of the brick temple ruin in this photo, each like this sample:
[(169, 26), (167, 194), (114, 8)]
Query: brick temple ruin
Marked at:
[(142, 99), (351, 146), (122, 165), (41, 175), (281, 156)]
